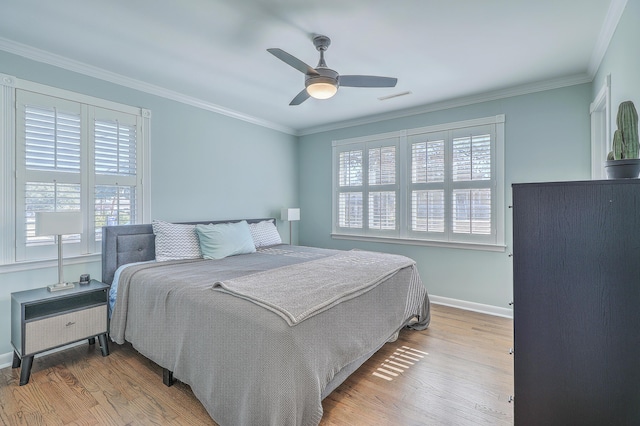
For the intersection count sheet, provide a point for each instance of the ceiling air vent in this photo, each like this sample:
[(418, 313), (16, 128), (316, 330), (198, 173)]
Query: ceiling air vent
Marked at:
[(384, 98)]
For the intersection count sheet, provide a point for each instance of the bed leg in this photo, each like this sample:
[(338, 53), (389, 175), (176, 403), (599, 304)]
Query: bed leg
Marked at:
[(167, 377)]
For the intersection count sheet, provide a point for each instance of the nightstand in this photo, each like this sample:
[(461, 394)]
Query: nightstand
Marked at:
[(43, 320)]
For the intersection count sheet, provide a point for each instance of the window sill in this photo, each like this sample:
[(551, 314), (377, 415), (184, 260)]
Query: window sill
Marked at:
[(49, 263), (416, 242)]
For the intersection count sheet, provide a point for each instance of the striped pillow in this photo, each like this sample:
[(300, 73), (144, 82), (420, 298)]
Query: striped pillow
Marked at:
[(264, 233), (175, 241)]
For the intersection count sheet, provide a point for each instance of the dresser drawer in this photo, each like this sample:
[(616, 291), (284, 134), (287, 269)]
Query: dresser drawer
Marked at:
[(58, 330)]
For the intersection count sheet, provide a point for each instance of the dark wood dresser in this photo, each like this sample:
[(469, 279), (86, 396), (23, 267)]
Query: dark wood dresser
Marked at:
[(576, 284)]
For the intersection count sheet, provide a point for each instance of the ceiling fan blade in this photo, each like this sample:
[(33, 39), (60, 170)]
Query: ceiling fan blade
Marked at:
[(292, 60), (366, 81), (300, 97)]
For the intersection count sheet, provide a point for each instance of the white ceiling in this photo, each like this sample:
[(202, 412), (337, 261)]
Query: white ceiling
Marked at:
[(213, 52)]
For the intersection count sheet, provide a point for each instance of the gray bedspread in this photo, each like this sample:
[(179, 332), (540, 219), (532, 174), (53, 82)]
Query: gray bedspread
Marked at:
[(245, 363)]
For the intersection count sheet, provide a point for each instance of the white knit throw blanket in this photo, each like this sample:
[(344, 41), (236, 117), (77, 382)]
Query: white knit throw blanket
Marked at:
[(298, 292)]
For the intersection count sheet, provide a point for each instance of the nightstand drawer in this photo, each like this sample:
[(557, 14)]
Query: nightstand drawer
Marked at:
[(50, 332)]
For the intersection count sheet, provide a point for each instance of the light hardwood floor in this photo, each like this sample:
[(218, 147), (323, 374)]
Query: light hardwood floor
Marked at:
[(457, 372)]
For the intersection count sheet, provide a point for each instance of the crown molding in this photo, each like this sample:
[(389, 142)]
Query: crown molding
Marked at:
[(454, 103), (48, 58), (614, 14), (616, 9)]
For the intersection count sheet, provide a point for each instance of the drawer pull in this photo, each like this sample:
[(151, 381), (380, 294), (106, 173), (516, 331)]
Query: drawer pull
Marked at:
[(69, 323)]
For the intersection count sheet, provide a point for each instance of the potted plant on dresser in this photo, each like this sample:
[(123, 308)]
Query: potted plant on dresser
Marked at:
[(623, 162)]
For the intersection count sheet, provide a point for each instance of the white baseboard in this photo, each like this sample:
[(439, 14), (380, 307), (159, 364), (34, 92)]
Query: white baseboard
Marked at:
[(7, 359), (472, 306)]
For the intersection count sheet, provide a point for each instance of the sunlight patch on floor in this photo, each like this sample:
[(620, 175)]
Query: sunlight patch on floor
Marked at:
[(402, 359)]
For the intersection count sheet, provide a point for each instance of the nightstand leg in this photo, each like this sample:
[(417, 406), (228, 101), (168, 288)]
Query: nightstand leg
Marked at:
[(16, 360), (104, 344), (92, 340), (25, 373)]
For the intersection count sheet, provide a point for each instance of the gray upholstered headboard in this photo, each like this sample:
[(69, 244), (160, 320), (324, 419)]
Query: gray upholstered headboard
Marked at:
[(123, 244)]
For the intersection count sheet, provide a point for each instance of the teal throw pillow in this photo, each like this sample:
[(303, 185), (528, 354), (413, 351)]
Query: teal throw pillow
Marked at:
[(218, 241)]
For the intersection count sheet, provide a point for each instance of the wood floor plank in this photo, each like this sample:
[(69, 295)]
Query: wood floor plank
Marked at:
[(457, 372)]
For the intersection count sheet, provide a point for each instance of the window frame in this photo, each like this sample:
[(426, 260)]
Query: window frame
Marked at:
[(404, 234), (600, 112), (10, 176), (364, 144)]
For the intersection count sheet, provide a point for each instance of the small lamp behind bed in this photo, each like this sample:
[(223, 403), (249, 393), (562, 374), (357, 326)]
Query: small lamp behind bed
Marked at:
[(59, 224), (290, 215)]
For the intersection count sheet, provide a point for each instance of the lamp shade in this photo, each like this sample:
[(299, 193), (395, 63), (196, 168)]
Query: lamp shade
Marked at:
[(290, 215), (58, 223)]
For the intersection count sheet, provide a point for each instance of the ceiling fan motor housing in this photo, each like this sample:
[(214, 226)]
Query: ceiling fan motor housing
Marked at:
[(325, 75)]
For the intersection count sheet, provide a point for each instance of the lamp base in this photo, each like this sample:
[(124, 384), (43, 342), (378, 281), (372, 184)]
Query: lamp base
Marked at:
[(60, 286)]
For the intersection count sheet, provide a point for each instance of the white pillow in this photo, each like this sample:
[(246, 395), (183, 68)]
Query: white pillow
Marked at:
[(175, 241), (225, 239), (264, 233)]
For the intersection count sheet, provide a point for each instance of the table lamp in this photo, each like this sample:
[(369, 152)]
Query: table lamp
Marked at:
[(59, 224), (290, 215)]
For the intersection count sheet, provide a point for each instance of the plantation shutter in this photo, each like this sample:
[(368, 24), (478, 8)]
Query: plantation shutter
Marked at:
[(52, 139), (50, 177), (427, 184), (115, 148), (116, 168), (350, 189), (367, 187), (382, 188), (74, 156), (472, 181)]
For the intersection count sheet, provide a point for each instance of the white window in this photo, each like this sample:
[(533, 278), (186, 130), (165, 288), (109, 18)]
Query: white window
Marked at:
[(71, 153), (367, 190), (440, 184)]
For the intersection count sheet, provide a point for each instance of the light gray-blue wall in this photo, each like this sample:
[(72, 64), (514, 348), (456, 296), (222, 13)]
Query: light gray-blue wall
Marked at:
[(622, 61), (547, 138), (203, 166)]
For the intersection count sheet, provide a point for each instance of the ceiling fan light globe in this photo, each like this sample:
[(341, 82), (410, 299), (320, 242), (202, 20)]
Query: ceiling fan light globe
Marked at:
[(322, 90)]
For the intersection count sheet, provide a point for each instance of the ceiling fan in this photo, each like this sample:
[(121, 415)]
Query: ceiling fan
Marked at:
[(322, 82)]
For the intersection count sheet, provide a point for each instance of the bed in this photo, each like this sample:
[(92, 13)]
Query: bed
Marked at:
[(259, 359)]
